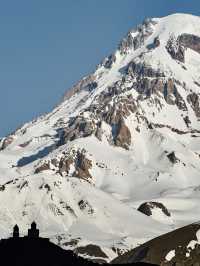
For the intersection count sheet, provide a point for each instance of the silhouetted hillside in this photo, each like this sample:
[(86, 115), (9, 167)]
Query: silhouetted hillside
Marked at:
[(33, 250), (182, 243)]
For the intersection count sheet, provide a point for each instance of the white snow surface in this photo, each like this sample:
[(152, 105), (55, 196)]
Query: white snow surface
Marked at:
[(126, 178)]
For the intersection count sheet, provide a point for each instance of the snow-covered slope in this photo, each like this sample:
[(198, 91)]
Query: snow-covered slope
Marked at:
[(127, 134)]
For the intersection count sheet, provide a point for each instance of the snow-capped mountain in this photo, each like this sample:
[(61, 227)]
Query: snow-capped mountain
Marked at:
[(117, 162)]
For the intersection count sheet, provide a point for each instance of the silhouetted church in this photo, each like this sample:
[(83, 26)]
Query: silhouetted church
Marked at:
[(32, 250), (33, 232), (16, 231)]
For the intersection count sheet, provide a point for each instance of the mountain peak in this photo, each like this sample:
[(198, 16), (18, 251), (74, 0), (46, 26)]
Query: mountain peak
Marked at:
[(125, 135)]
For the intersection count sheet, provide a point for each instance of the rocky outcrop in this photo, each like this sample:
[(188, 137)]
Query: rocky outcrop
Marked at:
[(73, 163), (190, 41), (193, 100), (64, 165), (87, 83), (172, 158), (176, 130), (176, 49), (113, 106), (123, 135), (187, 121), (172, 96), (147, 208), (85, 206), (122, 108), (109, 61), (148, 86), (82, 165), (179, 101), (25, 144), (48, 165), (110, 106), (141, 69), (136, 37), (169, 91), (156, 42), (78, 127), (92, 251), (6, 142), (45, 166)]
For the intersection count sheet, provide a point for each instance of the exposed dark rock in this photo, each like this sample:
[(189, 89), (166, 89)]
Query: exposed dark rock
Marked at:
[(187, 120), (176, 130), (84, 205), (118, 251), (109, 61), (156, 42), (172, 157), (190, 41), (102, 110), (92, 86), (180, 101), (132, 41), (148, 86), (99, 132), (193, 100), (68, 208), (72, 242), (140, 69), (169, 91), (123, 135), (45, 166), (91, 250), (175, 49), (64, 165), (25, 144), (78, 127), (24, 184), (82, 166), (122, 107), (45, 186), (197, 83), (147, 207), (2, 187), (6, 142), (172, 96), (55, 162)]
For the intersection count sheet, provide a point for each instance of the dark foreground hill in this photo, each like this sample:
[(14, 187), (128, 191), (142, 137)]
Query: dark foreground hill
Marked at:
[(38, 252), (180, 247), (33, 250)]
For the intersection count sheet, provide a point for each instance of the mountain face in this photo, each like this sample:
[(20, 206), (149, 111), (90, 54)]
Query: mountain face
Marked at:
[(117, 162)]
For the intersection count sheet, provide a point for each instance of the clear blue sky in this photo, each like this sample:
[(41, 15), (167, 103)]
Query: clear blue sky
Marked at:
[(48, 45)]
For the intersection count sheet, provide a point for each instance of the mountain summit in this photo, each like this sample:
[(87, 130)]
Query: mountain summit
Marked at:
[(117, 162)]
